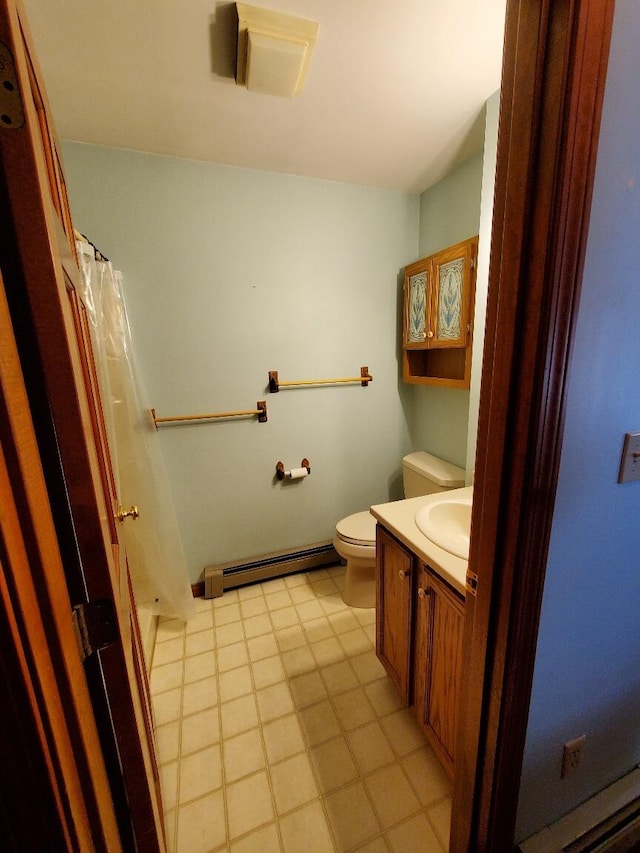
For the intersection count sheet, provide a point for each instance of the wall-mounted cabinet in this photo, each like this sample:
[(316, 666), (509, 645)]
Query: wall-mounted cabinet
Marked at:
[(419, 633), (438, 310)]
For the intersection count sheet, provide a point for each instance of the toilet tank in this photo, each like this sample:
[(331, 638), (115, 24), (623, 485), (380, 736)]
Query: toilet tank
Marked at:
[(424, 474)]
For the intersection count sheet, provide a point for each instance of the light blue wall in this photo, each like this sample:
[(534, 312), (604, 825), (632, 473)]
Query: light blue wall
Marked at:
[(449, 213), (588, 659), (230, 273)]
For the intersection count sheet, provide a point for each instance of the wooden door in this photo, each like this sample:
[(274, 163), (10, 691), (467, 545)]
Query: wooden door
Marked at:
[(394, 565), (40, 271), (439, 631)]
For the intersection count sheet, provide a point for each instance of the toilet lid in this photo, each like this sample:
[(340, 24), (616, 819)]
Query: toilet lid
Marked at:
[(357, 529)]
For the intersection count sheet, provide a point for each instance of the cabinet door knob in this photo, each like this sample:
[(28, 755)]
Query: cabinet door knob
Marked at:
[(429, 334), (403, 575), (128, 513), (422, 593)]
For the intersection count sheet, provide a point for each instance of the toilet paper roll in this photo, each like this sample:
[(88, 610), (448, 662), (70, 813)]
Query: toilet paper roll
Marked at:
[(296, 473)]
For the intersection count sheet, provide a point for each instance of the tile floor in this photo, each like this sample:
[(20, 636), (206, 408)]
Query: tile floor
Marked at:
[(279, 730)]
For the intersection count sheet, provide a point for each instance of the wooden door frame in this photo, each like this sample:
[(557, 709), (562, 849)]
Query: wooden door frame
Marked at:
[(554, 71)]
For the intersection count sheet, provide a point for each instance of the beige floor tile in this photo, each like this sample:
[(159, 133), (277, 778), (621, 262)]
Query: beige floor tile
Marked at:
[(227, 634), (344, 621), (253, 607), (200, 730), (225, 615), (299, 579), (309, 610), (351, 816), (230, 657), (440, 818), (277, 600), (306, 829), (339, 677), (168, 741), (370, 747), (284, 618), (199, 695), (169, 785), (302, 593), (273, 585), (353, 709), (255, 626), (264, 840), (167, 706), (367, 667), (169, 629), (238, 716), (248, 804), (307, 689), (282, 738), (196, 644), (245, 593), (414, 834), (318, 629), (201, 824), (392, 795), (327, 651), (236, 682), (262, 647), (166, 677), (274, 701), (355, 642), (319, 723), (200, 773), (267, 671), (202, 621), (403, 731), (230, 597), (199, 666), (379, 845), (203, 604), (365, 615), (326, 586), (332, 604), (243, 755), (317, 574), (168, 652), (428, 777), (293, 783), (333, 764), (291, 638), (384, 696), (298, 661)]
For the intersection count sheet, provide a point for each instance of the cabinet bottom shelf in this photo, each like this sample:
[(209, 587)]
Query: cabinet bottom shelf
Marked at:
[(437, 366)]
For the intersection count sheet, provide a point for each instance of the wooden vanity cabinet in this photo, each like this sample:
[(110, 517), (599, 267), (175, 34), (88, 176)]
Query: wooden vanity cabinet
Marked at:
[(437, 660), (394, 569), (419, 633)]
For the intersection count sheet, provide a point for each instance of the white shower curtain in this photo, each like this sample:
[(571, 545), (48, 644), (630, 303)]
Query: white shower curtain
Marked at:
[(152, 542)]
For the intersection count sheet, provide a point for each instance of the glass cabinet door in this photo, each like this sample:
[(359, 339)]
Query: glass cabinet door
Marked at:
[(450, 297), (417, 308)]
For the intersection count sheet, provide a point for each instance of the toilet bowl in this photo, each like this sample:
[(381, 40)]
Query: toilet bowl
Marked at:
[(355, 542), (355, 535)]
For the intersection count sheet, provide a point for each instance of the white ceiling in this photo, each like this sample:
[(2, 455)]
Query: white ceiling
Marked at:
[(393, 97)]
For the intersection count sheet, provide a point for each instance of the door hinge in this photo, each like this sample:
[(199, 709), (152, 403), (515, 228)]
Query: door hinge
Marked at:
[(95, 626), (472, 583), (11, 109)]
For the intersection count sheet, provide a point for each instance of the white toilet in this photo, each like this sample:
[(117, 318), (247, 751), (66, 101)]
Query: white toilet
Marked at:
[(355, 536)]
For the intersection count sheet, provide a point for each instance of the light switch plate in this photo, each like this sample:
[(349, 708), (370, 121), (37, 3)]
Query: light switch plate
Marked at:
[(630, 462)]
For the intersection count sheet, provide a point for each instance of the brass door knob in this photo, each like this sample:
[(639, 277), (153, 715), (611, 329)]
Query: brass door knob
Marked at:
[(127, 513), (403, 575), (422, 593)]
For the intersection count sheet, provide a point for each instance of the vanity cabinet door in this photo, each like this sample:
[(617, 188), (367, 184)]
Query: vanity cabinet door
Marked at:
[(439, 629), (394, 605)]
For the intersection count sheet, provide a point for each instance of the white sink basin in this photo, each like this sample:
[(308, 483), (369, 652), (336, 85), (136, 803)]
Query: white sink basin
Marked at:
[(447, 523)]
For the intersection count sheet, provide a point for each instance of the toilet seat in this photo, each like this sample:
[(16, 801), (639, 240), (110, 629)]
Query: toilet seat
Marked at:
[(357, 529)]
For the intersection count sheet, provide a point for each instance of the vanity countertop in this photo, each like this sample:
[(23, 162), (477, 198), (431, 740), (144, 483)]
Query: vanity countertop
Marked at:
[(399, 518)]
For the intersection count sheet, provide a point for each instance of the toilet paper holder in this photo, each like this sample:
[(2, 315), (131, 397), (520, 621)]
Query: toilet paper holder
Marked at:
[(293, 474)]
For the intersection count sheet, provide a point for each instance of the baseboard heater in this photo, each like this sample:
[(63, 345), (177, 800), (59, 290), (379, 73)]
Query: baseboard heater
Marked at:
[(229, 575)]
